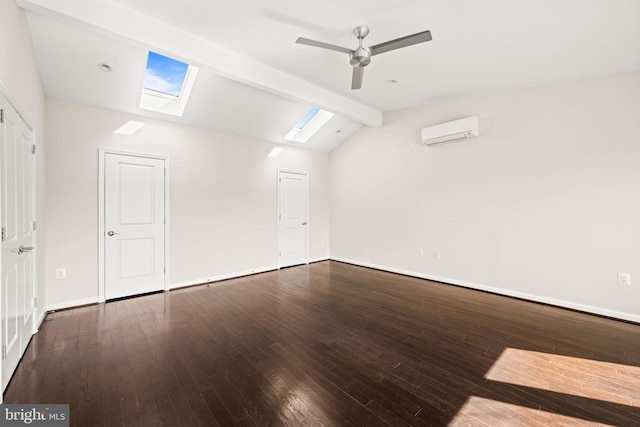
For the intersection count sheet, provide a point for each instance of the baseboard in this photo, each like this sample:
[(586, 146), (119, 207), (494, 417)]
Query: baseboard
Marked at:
[(72, 304), (500, 291), (43, 315), (218, 278), (210, 279)]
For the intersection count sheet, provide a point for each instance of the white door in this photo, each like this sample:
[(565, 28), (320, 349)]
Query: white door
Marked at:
[(16, 177), (134, 225), (292, 190)]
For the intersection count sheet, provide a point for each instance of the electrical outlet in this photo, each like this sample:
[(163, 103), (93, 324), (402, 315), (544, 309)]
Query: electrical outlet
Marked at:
[(436, 254), (624, 279), (61, 273), (421, 251)]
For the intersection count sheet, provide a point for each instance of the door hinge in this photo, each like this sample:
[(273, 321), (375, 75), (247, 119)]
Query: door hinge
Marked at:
[(1, 116), (279, 253), (4, 234), (35, 226), (33, 149), (4, 351), (34, 303)]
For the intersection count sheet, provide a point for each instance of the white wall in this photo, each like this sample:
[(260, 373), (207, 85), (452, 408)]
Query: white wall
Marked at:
[(545, 204), (223, 198), (19, 74)]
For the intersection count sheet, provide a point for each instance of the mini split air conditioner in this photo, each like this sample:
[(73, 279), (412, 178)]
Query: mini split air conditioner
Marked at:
[(456, 130)]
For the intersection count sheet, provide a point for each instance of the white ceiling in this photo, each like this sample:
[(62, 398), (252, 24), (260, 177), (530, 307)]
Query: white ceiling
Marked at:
[(255, 81)]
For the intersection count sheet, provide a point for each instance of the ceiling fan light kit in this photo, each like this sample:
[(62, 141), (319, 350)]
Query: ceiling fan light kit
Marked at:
[(361, 56)]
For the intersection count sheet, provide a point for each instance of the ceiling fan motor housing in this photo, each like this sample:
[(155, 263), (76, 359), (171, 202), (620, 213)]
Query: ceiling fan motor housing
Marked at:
[(360, 57)]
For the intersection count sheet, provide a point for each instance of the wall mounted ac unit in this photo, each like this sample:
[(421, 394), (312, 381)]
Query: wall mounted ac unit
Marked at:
[(456, 130)]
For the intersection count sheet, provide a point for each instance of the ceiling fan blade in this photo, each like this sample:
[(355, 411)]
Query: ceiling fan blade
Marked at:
[(405, 41), (356, 79), (309, 42)]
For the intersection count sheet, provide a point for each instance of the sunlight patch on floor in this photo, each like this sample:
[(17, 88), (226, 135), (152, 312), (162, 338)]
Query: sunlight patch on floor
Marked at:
[(592, 379), (478, 411)]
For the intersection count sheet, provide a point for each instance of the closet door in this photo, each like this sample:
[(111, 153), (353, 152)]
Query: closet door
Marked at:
[(17, 160)]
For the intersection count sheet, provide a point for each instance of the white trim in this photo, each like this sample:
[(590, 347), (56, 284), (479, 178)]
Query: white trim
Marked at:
[(14, 103), (220, 277), (72, 304), (43, 315), (500, 291), (34, 215), (102, 152), (279, 170)]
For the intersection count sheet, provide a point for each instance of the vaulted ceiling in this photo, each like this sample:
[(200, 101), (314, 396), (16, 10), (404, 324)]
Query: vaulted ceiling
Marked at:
[(254, 80)]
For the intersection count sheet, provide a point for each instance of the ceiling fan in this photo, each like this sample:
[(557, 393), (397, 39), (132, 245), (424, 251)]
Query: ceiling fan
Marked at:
[(361, 57)]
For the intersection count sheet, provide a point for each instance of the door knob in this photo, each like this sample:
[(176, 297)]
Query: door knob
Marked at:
[(111, 233), (304, 223), (22, 249)]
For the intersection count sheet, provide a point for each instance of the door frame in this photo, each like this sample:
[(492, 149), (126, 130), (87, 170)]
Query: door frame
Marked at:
[(35, 321), (279, 223), (102, 153)]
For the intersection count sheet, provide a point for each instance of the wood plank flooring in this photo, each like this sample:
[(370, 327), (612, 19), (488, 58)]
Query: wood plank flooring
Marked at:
[(331, 344)]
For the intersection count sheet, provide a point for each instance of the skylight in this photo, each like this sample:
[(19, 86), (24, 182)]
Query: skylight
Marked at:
[(164, 74), (167, 84), (308, 125), (303, 121)]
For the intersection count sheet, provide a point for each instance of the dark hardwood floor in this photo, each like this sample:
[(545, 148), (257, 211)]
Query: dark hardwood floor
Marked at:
[(331, 344)]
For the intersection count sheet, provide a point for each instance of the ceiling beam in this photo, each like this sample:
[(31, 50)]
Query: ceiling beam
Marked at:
[(133, 26)]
